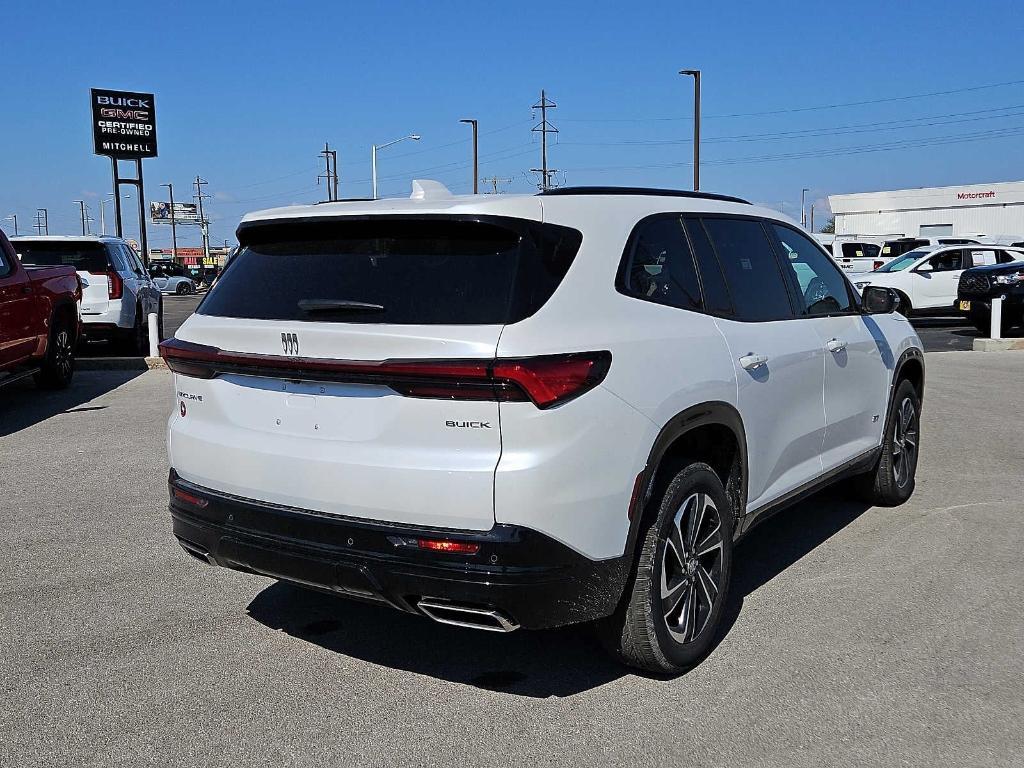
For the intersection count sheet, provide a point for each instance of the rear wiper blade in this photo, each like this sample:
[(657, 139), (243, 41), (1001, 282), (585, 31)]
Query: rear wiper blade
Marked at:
[(338, 305)]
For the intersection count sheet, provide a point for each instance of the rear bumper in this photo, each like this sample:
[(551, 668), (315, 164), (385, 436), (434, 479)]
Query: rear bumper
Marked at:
[(525, 576)]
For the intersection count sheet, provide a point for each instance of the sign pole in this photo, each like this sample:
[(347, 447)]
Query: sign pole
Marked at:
[(117, 198), (143, 239)]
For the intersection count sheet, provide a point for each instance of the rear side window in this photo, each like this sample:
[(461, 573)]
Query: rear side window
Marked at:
[(860, 250), (751, 270), (658, 264), (84, 257), (716, 293), (443, 271)]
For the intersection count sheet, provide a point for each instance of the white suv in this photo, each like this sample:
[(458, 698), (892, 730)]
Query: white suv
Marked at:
[(117, 291), (530, 411)]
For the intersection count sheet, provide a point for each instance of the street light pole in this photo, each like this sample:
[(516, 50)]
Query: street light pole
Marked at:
[(803, 209), (476, 156), (14, 217), (695, 74), (103, 208), (174, 228), (373, 157)]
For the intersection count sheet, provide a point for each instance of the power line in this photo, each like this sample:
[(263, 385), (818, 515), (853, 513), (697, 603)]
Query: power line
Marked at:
[(886, 100)]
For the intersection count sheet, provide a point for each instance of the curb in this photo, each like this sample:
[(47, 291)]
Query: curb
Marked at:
[(120, 363), (998, 345)]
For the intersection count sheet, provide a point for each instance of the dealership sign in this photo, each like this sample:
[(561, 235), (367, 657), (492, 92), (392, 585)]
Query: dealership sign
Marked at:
[(123, 124), (184, 213)]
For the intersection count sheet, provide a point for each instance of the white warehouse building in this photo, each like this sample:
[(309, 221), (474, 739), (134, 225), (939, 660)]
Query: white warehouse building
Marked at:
[(973, 209)]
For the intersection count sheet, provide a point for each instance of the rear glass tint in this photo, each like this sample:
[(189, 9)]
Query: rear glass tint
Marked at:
[(84, 257), (445, 271)]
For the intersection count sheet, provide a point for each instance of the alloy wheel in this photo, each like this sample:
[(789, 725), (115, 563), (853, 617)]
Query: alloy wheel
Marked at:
[(691, 567), (62, 353), (904, 442)]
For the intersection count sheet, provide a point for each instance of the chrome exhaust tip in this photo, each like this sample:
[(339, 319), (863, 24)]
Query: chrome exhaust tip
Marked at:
[(198, 552), (461, 615)]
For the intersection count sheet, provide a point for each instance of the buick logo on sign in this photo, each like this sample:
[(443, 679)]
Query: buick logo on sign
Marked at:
[(290, 343)]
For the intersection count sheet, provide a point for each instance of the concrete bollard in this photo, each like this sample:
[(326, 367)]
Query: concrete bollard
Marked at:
[(154, 336), (997, 318)]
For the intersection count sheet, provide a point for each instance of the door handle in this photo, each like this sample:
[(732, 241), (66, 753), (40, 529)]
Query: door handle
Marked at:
[(835, 345), (750, 361), (26, 289)]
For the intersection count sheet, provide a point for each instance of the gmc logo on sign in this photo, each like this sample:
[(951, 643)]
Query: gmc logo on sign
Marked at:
[(125, 114)]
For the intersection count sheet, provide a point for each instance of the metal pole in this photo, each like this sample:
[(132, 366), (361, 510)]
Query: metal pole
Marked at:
[(334, 158), (174, 226), (204, 227), (373, 165), (117, 199), (81, 208), (803, 209), (14, 218), (812, 217), (103, 216), (476, 156), (143, 236), (695, 74), (544, 137)]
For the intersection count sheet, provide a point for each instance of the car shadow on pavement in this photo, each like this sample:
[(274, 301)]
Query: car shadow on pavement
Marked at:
[(559, 662), (23, 404), (783, 539)]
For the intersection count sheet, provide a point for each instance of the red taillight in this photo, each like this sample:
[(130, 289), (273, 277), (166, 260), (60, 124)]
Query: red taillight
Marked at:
[(546, 380), (115, 285), (553, 379), (188, 498), (878, 264), (444, 545)]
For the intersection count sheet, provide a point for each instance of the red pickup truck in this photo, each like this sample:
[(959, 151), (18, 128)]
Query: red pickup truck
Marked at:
[(39, 320)]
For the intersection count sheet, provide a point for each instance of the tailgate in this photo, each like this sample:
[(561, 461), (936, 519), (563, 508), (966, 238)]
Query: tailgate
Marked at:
[(95, 294), (358, 449)]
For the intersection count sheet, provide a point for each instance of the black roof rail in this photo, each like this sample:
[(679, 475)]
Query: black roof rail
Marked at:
[(650, 191)]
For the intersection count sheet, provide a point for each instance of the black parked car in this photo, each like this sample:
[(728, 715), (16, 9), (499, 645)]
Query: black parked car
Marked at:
[(979, 285)]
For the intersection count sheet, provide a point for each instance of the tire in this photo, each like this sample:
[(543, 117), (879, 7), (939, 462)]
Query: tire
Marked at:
[(182, 289), (891, 482), (59, 365), (135, 342), (672, 608), (904, 308)]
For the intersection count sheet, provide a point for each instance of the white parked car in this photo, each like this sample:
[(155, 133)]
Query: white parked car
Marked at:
[(926, 279), (527, 411), (117, 293), (172, 278)]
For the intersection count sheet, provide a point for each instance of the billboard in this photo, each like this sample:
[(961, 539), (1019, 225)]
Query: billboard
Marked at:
[(123, 124), (184, 213)]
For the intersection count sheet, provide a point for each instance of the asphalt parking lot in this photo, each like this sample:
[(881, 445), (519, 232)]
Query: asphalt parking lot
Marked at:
[(854, 635)]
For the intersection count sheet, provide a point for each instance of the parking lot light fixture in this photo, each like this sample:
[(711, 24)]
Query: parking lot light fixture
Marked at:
[(373, 157)]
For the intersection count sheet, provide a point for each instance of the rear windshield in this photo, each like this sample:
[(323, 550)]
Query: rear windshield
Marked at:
[(84, 257), (445, 271)]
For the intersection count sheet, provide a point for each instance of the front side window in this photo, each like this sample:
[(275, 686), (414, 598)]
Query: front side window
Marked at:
[(947, 261), (751, 271), (820, 286), (659, 265)]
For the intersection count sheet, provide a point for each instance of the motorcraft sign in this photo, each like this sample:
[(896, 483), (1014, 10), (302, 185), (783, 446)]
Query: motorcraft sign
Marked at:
[(123, 124)]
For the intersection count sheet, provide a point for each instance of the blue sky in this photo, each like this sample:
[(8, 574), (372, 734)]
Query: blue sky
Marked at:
[(248, 93)]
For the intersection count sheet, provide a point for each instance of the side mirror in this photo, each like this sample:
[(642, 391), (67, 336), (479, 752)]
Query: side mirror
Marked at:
[(879, 301)]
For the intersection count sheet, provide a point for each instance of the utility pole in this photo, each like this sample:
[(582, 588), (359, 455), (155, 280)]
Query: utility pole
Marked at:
[(330, 157), (695, 74), (14, 217), (174, 227), (81, 208), (203, 224), (476, 156), (42, 221), (494, 181), (803, 209), (544, 128), (812, 217)]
